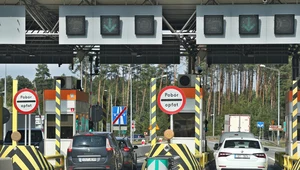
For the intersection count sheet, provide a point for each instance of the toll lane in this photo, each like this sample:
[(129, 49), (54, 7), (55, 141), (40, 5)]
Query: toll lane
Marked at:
[(270, 153)]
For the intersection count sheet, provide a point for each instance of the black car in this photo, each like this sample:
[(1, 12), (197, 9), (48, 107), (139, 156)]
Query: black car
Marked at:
[(37, 138), (130, 157), (94, 150)]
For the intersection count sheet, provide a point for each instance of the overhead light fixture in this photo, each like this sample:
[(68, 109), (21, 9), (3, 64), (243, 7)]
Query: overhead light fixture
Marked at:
[(138, 55), (31, 55)]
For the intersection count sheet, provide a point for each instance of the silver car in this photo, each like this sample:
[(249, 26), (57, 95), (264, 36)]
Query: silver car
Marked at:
[(94, 150)]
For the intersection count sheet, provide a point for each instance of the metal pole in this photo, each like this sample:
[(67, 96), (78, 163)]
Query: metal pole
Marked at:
[(201, 123), (4, 125), (15, 112), (91, 86), (25, 133), (29, 129), (130, 106), (111, 114), (150, 112), (214, 112), (278, 116)]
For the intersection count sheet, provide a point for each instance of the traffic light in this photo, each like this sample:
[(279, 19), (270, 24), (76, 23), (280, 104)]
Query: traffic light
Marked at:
[(91, 126), (205, 125)]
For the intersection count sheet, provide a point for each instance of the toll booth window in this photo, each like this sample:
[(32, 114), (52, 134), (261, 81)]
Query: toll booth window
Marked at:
[(66, 126), (184, 125)]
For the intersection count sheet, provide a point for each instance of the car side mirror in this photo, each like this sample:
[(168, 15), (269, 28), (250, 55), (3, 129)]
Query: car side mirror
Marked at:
[(216, 146), (266, 149), (135, 147)]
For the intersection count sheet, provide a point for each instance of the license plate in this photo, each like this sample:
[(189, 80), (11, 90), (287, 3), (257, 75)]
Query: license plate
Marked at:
[(88, 159), (242, 156)]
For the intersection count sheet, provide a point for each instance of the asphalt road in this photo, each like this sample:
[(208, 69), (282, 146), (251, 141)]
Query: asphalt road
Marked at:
[(270, 153)]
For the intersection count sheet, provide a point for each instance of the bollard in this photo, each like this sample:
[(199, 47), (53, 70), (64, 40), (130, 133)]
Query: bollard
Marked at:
[(143, 142), (160, 140)]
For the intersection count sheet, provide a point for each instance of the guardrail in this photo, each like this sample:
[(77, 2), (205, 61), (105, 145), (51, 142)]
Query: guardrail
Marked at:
[(61, 166), (289, 162), (279, 159), (205, 158)]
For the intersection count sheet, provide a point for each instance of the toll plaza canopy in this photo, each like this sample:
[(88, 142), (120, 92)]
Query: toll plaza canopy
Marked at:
[(173, 34)]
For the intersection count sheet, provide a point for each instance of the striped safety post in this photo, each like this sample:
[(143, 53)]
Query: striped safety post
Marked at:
[(294, 119), (153, 111), (105, 118), (57, 120), (197, 117)]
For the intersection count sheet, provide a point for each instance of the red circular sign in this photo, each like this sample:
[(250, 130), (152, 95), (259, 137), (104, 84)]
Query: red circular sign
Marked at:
[(171, 100), (26, 101)]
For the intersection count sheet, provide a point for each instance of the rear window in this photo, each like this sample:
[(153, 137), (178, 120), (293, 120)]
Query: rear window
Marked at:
[(89, 141), (36, 136), (242, 144), (122, 143)]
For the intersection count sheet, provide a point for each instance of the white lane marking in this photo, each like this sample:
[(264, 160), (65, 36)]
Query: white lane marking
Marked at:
[(272, 159), (141, 160)]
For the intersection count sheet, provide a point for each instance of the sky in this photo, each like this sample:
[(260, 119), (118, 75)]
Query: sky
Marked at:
[(28, 70)]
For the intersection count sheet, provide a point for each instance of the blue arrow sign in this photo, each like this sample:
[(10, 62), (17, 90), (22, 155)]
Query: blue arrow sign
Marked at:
[(116, 111), (260, 124)]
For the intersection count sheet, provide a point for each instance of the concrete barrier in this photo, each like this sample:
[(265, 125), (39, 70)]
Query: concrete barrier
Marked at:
[(142, 149), (6, 163)]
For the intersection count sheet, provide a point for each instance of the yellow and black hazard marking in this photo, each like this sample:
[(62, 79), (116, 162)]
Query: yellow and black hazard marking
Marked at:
[(296, 166), (153, 111), (57, 120), (295, 119), (197, 117), (187, 159), (25, 158)]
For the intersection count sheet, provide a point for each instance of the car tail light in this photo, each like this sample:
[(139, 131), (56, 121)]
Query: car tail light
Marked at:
[(70, 147), (126, 149), (260, 155), (224, 154), (89, 134), (108, 147)]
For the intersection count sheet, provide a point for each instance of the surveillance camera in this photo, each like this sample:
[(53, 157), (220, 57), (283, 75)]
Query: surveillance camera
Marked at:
[(265, 1)]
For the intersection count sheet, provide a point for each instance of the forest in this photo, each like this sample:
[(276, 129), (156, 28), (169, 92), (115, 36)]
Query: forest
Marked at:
[(228, 89)]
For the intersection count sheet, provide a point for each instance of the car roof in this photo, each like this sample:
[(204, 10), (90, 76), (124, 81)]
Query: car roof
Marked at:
[(225, 135), (95, 133), (242, 138), (120, 138)]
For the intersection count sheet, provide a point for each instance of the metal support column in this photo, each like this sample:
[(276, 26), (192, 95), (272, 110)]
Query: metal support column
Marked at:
[(1, 119), (15, 112), (57, 120), (198, 147), (153, 111)]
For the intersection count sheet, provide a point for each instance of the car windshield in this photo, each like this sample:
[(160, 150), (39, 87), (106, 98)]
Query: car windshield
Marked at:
[(248, 144), (36, 136), (89, 141)]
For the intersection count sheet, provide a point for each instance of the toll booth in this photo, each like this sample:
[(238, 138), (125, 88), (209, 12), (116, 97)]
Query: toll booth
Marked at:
[(74, 117), (289, 121), (184, 121)]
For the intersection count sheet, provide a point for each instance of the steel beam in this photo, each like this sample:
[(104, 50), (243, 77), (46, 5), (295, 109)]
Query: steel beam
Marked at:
[(188, 21)]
